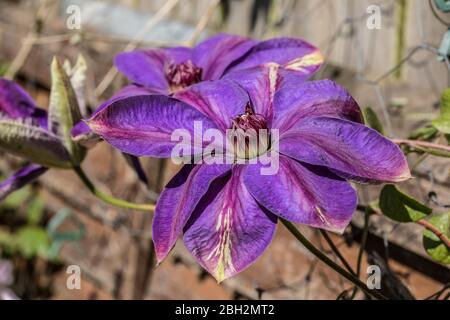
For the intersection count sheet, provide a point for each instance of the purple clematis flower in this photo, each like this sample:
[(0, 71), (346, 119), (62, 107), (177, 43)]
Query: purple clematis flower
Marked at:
[(228, 212), (168, 70)]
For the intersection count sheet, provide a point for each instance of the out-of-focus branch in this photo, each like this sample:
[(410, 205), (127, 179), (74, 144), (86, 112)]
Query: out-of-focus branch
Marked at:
[(28, 42), (429, 147), (154, 20), (203, 22)]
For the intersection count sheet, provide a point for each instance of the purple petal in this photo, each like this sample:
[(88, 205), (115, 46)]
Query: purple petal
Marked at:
[(215, 54), (83, 134), (220, 100), (21, 178), (228, 230), (349, 147), (304, 194), (147, 67), (292, 54), (261, 83), (79, 129), (143, 125), (177, 202), (15, 103), (296, 100)]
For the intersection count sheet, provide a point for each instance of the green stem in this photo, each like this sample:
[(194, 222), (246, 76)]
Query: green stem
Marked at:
[(110, 199), (362, 247), (336, 251), (299, 236)]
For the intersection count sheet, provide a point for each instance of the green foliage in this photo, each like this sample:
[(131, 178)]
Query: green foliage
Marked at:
[(32, 241), (443, 122), (64, 111), (3, 68), (16, 199), (424, 133), (371, 119), (35, 211), (433, 245), (401, 207)]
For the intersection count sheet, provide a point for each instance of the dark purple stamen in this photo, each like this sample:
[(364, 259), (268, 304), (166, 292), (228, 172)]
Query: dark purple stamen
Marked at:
[(243, 126), (249, 120), (182, 75)]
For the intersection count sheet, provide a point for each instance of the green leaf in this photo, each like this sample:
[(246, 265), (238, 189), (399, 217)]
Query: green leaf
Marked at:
[(401, 207), (64, 112), (6, 240), (434, 246), (443, 122), (16, 199), (33, 143), (35, 211), (32, 241), (424, 133), (3, 68), (371, 119)]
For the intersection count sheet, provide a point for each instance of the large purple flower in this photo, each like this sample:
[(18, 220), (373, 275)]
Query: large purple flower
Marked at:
[(228, 212), (167, 70)]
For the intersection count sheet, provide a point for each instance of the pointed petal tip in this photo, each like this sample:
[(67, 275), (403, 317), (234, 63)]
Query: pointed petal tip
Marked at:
[(404, 175), (160, 254), (219, 279), (158, 263)]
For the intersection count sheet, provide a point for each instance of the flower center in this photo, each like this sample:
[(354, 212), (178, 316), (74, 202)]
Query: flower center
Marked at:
[(182, 75), (250, 134)]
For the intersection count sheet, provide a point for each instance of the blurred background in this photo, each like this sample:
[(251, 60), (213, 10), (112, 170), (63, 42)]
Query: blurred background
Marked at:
[(383, 52)]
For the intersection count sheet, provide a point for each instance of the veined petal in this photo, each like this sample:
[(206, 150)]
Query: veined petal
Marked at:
[(131, 90), (291, 54), (147, 67), (295, 101), (261, 83), (228, 230), (215, 54), (143, 125), (177, 202), (21, 178), (303, 193), (34, 143), (15, 103), (81, 132), (348, 147), (220, 100)]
